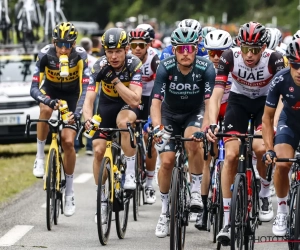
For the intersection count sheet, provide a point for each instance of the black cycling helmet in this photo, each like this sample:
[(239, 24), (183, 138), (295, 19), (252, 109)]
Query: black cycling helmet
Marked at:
[(139, 34), (253, 33), (293, 51), (114, 38), (64, 32)]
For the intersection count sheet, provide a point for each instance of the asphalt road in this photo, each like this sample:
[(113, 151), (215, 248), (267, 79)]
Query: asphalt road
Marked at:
[(23, 223)]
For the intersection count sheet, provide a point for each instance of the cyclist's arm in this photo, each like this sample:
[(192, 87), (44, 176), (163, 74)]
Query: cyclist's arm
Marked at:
[(278, 111), (157, 95), (83, 80), (269, 112), (224, 68), (37, 78)]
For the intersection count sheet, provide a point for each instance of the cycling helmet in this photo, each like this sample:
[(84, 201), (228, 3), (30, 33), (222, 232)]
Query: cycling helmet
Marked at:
[(296, 35), (293, 51), (114, 38), (148, 28), (253, 33), (191, 23), (182, 36), (139, 34), (64, 32), (206, 30), (273, 38), (279, 34), (236, 42), (218, 40)]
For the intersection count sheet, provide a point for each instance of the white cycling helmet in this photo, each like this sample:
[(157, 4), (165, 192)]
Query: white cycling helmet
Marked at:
[(191, 23), (273, 38), (218, 40)]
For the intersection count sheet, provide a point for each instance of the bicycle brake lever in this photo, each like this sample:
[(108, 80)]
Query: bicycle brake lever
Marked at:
[(27, 130)]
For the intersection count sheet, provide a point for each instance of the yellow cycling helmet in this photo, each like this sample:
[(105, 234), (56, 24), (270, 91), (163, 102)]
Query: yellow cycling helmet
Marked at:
[(114, 38), (64, 32)]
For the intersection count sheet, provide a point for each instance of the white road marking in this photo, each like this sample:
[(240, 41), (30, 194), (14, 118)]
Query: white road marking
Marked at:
[(14, 235), (83, 178)]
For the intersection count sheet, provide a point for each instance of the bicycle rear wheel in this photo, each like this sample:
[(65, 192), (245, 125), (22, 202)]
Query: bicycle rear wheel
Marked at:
[(104, 205), (122, 217), (297, 219), (138, 177), (177, 227), (238, 213), (50, 189)]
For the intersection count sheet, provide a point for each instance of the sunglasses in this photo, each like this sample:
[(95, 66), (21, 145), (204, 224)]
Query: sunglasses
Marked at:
[(253, 50), (185, 48), (141, 45), (212, 53), (62, 44), (295, 66)]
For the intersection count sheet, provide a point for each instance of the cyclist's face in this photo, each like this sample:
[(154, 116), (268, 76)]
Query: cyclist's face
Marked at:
[(295, 73), (251, 59), (116, 57), (139, 48), (63, 50), (186, 54)]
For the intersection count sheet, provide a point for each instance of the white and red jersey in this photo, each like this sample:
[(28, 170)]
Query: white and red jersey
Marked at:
[(251, 82)]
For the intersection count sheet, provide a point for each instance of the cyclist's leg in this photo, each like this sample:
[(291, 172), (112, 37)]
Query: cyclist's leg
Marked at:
[(286, 142), (125, 115), (42, 133)]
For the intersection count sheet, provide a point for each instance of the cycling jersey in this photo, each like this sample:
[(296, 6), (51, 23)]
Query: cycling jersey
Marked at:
[(250, 82), (73, 87), (130, 74), (167, 52), (288, 125), (182, 93)]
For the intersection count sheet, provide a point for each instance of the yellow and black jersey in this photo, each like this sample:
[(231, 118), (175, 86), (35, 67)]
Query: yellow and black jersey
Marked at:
[(130, 74), (47, 69)]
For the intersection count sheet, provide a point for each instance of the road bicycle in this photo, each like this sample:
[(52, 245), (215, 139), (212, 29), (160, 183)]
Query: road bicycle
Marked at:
[(111, 197), (54, 179), (293, 226), (5, 23), (53, 15)]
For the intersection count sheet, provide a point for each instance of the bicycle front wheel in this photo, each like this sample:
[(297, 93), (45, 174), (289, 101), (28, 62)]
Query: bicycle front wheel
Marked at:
[(177, 227), (297, 219), (122, 217), (138, 172), (50, 189), (238, 213), (104, 204)]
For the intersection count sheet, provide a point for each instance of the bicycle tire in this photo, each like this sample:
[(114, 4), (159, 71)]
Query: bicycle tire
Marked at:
[(121, 222), (291, 217), (59, 194), (177, 229), (104, 228), (297, 218), (138, 172), (50, 189), (238, 212)]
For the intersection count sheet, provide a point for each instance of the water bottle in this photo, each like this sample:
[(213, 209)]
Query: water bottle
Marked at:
[(165, 133), (64, 65), (95, 123), (64, 111)]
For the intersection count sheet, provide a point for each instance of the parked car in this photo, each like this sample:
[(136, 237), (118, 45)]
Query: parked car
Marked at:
[(16, 72)]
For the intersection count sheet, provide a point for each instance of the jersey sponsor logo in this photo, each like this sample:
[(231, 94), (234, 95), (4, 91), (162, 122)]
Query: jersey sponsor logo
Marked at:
[(207, 87), (296, 106), (91, 88), (291, 89), (252, 83), (270, 104), (207, 96), (276, 80), (266, 54), (85, 80), (290, 96), (169, 63), (236, 54), (203, 49), (202, 63), (184, 97), (36, 79), (184, 88), (255, 76), (53, 75), (136, 77), (136, 83), (157, 96), (279, 61)]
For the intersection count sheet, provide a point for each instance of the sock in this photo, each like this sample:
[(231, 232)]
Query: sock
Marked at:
[(264, 188), (164, 201), (149, 179), (130, 165), (282, 205), (196, 180), (69, 185), (226, 206), (40, 154)]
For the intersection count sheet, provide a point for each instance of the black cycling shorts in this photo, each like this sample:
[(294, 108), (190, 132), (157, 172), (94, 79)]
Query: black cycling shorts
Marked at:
[(238, 113), (180, 122), (145, 111)]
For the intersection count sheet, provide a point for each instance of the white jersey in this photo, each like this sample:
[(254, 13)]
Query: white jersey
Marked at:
[(251, 82), (91, 61)]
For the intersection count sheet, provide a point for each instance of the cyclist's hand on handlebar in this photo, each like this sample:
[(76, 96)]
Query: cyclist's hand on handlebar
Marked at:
[(269, 157), (157, 134), (52, 103), (87, 124), (198, 136), (71, 118), (211, 131)]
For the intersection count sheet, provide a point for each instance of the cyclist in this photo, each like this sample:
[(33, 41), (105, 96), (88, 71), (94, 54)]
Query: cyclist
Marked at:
[(139, 41), (205, 30), (194, 24), (216, 42), (71, 88), (252, 67), (119, 76), (182, 87), (286, 84), (149, 28)]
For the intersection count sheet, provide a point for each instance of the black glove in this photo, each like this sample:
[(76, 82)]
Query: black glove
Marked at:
[(50, 102), (108, 73), (199, 135), (271, 153)]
